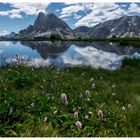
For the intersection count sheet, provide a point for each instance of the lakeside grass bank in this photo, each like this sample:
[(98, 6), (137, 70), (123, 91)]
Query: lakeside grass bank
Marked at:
[(107, 103)]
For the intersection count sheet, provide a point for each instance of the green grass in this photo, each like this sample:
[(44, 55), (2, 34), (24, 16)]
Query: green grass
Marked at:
[(27, 95)]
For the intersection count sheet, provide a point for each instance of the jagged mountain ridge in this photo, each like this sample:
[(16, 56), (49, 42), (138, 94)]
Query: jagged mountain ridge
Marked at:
[(126, 26), (45, 26)]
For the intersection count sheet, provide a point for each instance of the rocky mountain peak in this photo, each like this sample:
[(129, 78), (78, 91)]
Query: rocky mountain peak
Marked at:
[(41, 14), (51, 15), (46, 26), (49, 21)]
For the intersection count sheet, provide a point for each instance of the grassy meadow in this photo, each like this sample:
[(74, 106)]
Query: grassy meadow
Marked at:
[(105, 103)]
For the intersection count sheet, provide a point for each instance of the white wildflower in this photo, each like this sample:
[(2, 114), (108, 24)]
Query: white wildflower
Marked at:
[(86, 117)]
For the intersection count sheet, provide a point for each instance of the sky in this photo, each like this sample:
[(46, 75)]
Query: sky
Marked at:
[(17, 16)]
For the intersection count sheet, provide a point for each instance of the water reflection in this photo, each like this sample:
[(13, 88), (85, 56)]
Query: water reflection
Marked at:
[(110, 47), (47, 48), (95, 54)]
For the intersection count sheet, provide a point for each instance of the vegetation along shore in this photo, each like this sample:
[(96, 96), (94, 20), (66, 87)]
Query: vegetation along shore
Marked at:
[(70, 101)]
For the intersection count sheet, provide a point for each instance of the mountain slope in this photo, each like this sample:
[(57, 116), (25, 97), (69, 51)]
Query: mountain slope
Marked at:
[(81, 31), (46, 26), (127, 26)]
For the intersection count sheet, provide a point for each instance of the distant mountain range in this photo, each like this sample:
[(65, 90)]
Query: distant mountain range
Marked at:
[(51, 26), (127, 26), (8, 36)]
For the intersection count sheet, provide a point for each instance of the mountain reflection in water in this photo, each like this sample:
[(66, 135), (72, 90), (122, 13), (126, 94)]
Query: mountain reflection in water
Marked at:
[(63, 54)]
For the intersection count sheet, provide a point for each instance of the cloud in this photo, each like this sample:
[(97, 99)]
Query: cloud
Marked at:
[(77, 17), (73, 9), (90, 56), (106, 11), (134, 8), (4, 13), (18, 16), (5, 43), (104, 6), (3, 33), (102, 12), (94, 13), (30, 8), (27, 8)]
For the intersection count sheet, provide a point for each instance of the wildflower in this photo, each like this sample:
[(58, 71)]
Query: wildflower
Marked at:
[(41, 87), (55, 112), (87, 93), (82, 74), (113, 86), (17, 57), (45, 119), (90, 114), (113, 94), (92, 79), (93, 86), (88, 99), (66, 103), (64, 99), (32, 105), (129, 106), (78, 124), (101, 78), (123, 108), (74, 109), (100, 114), (75, 114), (117, 102), (86, 117)]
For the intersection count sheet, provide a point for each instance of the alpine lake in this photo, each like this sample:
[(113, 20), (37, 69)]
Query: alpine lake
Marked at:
[(106, 55)]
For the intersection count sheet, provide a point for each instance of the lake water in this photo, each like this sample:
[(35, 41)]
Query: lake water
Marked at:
[(68, 54)]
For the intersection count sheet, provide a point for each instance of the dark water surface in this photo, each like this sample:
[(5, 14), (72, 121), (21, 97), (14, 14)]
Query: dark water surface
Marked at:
[(68, 54)]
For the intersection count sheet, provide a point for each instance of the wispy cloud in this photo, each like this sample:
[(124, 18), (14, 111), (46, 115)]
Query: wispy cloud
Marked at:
[(27, 8), (100, 12), (73, 9), (13, 16), (93, 57), (2, 33), (4, 13), (134, 8), (106, 11)]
